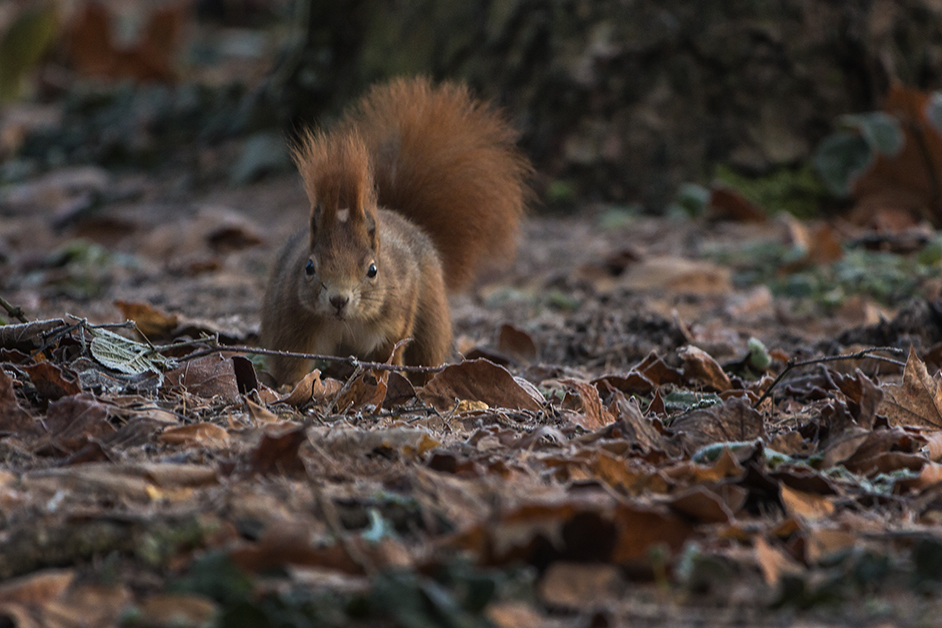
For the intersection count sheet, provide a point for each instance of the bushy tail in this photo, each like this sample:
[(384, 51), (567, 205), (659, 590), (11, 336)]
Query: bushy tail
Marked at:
[(450, 164)]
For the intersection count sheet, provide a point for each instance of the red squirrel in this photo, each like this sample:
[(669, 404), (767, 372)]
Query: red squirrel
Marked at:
[(412, 192)]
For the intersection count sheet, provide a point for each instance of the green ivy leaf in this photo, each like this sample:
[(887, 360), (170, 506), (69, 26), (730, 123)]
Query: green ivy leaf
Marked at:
[(840, 160), (881, 131)]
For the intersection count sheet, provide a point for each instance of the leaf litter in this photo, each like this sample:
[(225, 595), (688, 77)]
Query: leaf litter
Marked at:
[(608, 452)]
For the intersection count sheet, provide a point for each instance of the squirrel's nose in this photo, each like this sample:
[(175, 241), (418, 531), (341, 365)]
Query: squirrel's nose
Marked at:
[(339, 301)]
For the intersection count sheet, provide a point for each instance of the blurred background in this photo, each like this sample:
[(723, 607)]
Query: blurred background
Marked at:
[(142, 142), (620, 102)]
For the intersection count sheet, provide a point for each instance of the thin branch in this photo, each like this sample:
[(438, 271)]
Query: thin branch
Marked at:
[(864, 353), (14, 310), (351, 360)]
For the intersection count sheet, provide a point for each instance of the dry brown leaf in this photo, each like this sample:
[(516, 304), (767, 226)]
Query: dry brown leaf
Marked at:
[(89, 605), (28, 337), (169, 475), (820, 245), (677, 274), (733, 420), (278, 452), (918, 400), (210, 377), (399, 390), (516, 343), (701, 504), (934, 445), (73, 421), (152, 322), (886, 451), (902, 189), (700, 367), (368, 391), (929, 475), (13, 418), (639, 529), (577, 586), (823, 542), (93, 51), (773, 562), (594, 416), (511, 614), (805, 506), (38, 588), (311, 388), (53, 382), (289, 543), (258, 414), (728, 204), (625, 477), (197, 435), (686, 472), (480, 380), (407, 441), (177, 610)]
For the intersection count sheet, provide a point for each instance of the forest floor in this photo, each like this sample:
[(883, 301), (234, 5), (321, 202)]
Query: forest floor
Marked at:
[(605, 456)]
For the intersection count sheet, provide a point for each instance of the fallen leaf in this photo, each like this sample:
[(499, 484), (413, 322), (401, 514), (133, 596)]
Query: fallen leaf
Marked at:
[(576, 586), (407, 441), (72, 421), (773, 562), (594, 416), (728, 204), (278, 452), (197, 435), (904, 182), (700, 367), (805, 506), (152, 322), (626, 478), (38, 588), (640, 529), (821, 543), (13, 418), (918, 400), (178, 610), (368, 390), (93, 51), (312, 389), (733, 420), (28, 337), (480, 380), (701, 504), (89, 605), (53, 382), (210, 377), (399, 391), (516, 343)]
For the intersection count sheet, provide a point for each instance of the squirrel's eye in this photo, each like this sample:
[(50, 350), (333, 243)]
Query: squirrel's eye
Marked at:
[(309, 268), (371, 271)]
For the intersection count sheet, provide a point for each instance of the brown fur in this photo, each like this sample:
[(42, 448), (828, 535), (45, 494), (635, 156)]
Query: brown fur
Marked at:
[(448, 167)]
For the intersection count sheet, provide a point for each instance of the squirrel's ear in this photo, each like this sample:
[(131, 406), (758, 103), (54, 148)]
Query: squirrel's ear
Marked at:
[(371, 229), (315, 219)]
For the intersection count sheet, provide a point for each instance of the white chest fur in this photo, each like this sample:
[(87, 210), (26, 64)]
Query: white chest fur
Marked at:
[(361, 337)]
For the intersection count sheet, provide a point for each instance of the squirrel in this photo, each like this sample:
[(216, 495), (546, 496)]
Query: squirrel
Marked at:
[(413, 192)]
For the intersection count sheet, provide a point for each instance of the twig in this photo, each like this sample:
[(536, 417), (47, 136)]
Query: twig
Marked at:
[(351, 360), (14, 310), (864, 353)]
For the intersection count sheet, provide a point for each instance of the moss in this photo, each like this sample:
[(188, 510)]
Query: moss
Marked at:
[(795, 190)]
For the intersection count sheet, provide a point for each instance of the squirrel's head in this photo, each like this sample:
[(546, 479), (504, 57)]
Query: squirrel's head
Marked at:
[(340, 273)]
